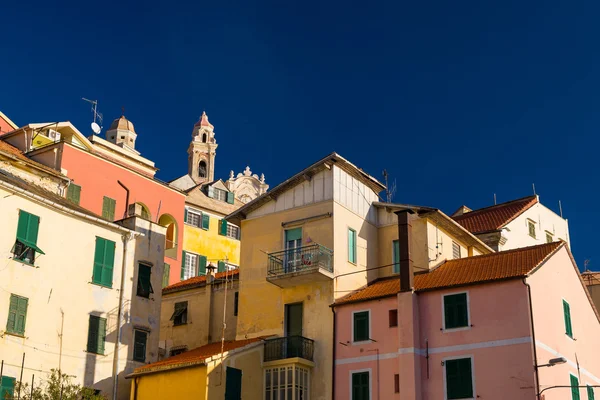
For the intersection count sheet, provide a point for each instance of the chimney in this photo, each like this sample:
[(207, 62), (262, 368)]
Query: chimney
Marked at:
[(210, 273), (404, 239)]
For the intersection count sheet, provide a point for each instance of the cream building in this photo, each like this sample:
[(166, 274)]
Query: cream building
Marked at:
[(70, 280)]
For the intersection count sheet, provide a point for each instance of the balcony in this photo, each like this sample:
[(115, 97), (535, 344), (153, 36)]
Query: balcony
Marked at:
[(301, 265), (289, 347)]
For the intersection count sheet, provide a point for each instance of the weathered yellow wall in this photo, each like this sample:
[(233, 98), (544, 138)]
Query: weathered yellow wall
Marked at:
[(249, 361), (218, 298), (180, 384), (210, 244)]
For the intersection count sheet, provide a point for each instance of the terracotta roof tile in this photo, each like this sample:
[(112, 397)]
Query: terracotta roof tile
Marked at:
[(197, 355), (463, 271), (199, 281), (494, 217)]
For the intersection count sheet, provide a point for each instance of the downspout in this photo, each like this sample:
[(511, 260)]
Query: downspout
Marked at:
[(126, 238), (333, 363), (126, 198), (537, 375)]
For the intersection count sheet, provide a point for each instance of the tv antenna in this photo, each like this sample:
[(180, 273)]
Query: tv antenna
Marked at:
[(389, 191), (96, 125)]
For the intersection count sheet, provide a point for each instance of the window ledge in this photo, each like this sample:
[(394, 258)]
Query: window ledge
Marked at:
[(24, 262), (15, 334), (184, 324), (450, 330), (92, 352), (101, 285), (362, 342)]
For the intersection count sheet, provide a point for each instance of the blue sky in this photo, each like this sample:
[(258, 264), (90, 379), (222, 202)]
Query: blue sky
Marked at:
[(457, 100)]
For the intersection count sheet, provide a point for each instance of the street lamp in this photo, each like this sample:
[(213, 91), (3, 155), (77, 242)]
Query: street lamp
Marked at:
[(552, 362)]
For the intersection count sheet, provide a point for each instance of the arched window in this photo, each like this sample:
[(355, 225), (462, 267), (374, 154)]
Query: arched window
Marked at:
[(204, 138), (145, 212), (168, 221), (202, 169)]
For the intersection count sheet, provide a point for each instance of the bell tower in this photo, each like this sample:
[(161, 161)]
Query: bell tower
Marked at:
[(202, 151)]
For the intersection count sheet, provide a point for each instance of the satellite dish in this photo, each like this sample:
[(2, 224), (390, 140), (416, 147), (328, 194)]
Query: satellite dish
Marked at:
[(95, 128)]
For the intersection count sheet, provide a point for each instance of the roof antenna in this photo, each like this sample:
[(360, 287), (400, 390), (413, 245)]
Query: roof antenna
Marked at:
[(96, 126), (389, 192), (533, 185), (585, 265), (494, 198), (560, 208)]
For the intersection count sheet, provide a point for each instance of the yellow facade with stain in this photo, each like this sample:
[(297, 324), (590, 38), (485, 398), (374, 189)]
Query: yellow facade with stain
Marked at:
[(182, 384), (209, 243)]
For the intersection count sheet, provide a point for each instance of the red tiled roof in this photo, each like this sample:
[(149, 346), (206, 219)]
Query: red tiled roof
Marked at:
[(503, 265), (200, 281), (494, 217), (197, 355)]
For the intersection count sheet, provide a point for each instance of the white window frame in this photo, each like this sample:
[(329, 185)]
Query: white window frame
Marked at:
[(357, 371), (294, 369), (187, 253), (352, 331), (472, 374), (216, 197), (462, 328), (195, 212), (237, 237)]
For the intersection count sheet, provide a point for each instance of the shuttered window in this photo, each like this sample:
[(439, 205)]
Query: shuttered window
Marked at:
[(108, 208), (456, 313), (104, 261), (230, 197), (575, 388), (393, 318), (166, 272), (455, 250), (202, 263), (144, 286), (205, 221), (179, 316), (361, 326), (360, 386), (139, 345), (74, 193), (352, 245), (96, 335), (531, 229), (590, 393), (223, 228), (17, 315), (567, 315), (26, 246), (221, 266), (459, 379), (7, 387), (396, 256), (193, 218)]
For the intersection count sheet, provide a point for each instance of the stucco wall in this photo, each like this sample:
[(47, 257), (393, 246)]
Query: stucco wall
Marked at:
[(249, 361), (60, 280), (185, 383), (554, 281)]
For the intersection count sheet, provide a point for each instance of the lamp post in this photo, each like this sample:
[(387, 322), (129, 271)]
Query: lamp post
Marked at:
[(552, 362)]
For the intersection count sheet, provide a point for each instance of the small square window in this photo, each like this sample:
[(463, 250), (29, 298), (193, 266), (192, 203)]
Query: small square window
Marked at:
[(549, 238), (393, 318), (180, 313), (531, 225), (455, 250)]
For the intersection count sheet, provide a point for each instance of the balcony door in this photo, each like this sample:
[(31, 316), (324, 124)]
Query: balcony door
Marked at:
[(293, 242), (293, 330)]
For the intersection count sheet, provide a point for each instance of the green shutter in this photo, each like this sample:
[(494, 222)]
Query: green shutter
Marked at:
[(352, 246), (108, 208), (590, 393), (182, 272), (205, 221), (104, 261), (11, 324), (221, 266), (17, 314), (7, 387), (567, 315), (96, 335), (396, 256), (230, 197), (459, 380), (27, 229), (144, 281), (361, 326), (185, 215), (456, 313), (74, 193), (223, 228), (575, 388), (360, 386), (101, 334), (202, 261), (166, 272)]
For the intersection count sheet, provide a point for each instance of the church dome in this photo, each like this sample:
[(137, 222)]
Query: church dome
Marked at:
[(122, 123)]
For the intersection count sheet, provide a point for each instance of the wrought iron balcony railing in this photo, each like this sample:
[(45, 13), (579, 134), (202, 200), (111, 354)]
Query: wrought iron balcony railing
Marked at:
[(289, 347), (300, 259)]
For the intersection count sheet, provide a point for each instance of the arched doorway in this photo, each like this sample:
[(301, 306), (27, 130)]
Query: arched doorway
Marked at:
[(169, 222)]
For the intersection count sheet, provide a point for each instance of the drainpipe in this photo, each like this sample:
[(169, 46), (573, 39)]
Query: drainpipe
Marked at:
[(537, 375), (126, 238), (333, 364), (126, 198)]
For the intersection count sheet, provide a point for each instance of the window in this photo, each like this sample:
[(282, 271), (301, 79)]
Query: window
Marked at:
[(361, 326), (455, 250), (144, 286), (104, 260), (549, 238), (108, 208), (396, 256), (17, 315), (220, 194), (139, 345), (396, 383), (166, 272), (74, 193), (189, 267), (177, 350), (27, 234), (279, 383), (193, 218), (352, 245), (360, 386), (205, 221), (202, 169), (7, 387), (567, 315), (180, 313), (221, 266), (456, 311), (96, 335), (590, 393), (459, 379), (393, 318), (531, 225), (223, 227), (575, 388), (236, 300), (233, 231)]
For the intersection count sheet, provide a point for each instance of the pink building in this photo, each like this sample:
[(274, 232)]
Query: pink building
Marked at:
[(474, 327)]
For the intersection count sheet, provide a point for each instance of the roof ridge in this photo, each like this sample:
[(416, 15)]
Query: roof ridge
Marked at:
[(516, 250), (470, 213)]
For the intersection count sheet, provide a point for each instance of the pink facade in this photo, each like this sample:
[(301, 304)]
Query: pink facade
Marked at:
[(498, 339)]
